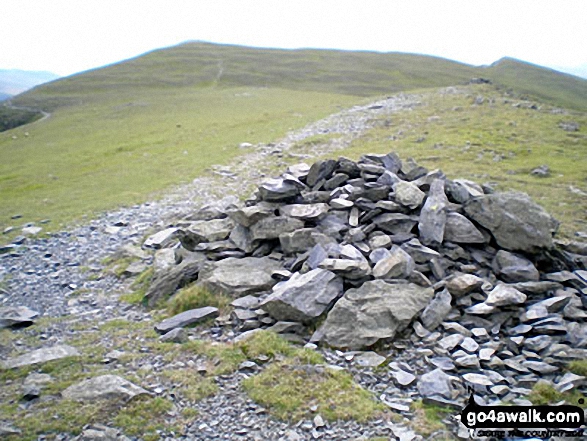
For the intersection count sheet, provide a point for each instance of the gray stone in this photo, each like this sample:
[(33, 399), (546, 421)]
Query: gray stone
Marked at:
[(316, 256), (437, 310), (101, 433), (162, 239), (395, 223), (461, 190), (435, 383), (287, 328), (459, 229), (305, 211), (511, 267), (186, 318), (340, 203), (403, 378), (398, 264), (433, 215), (419, 252), (374, 311), (408, 194), (504, 295), (164, 259), (242, 238), (463, 284), (239, 277), (246, 302), (320, 170), (349, 269), (17, 316), (481, 309), (110, 387), (42, 355), (205, 231), (477, 379), (451, 341), (302, 240), (369, 359), (469, 345), (248, 216), (165, 283), (304, 297), (272, 227), (177, 335), (31, 231), (468, 361), (280, 189), (516, 222)]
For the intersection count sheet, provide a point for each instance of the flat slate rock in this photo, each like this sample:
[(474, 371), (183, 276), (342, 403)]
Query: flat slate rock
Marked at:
[(110, 387), (186, 318), (42, 355), (17, 316)]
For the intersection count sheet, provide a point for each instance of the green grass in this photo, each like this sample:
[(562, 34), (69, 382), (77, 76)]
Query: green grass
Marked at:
[(196, 296), (139, 287), (463, 139), (544, 393), (578, 367), (428, 418), (121, 147), (289, 390)]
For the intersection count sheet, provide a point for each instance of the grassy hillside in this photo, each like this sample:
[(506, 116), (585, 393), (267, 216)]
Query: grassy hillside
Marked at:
[(545, 84), (121, 134), (204, 65), (495, 142)]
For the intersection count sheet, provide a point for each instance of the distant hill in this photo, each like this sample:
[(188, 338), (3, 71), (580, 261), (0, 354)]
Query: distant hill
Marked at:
[(4, 96), (355, 73), (545, 84), (14, 81)]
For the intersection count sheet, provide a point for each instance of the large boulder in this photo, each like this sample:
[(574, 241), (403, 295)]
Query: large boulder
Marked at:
[(515, 221), (165, 283), (239, 277), (376, 310), (303, 297)]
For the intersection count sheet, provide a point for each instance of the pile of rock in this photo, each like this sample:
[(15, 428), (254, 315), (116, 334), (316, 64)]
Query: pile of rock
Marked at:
[(377, 245)]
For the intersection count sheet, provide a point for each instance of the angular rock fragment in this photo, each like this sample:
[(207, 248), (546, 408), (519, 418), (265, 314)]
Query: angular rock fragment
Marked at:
[(511, 267), (437, 310), (205, 231), (239, 277), (272, 227), (504, 295), (375, 311), (459, 229), (17, 316), (408, 194), (433, 215), (304, 297), (398, 264), (111, 387), (42, 355), (186, 318), (516, 222)]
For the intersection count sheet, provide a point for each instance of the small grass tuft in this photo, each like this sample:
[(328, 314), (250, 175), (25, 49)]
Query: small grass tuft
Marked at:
[(196, 296), (578, 367), (191, 386), (288, 391), (144, 417), (428, 418)]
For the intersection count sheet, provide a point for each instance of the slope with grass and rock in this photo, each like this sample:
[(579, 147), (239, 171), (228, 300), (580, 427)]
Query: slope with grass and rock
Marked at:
[(493, 308)]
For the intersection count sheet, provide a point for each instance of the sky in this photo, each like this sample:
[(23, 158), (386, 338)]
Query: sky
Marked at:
[(69, 36)]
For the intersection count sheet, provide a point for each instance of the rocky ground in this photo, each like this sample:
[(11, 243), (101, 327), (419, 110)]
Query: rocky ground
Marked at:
[(63, 277), (466, 292)]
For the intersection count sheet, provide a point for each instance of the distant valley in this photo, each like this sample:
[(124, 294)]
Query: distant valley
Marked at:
[(14, 81)]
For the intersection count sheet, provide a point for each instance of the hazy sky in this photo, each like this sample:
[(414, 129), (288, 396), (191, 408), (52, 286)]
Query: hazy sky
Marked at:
[(68, 36)]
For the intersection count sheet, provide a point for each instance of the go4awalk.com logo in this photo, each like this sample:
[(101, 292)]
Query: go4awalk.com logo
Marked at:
[(509, 421)]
